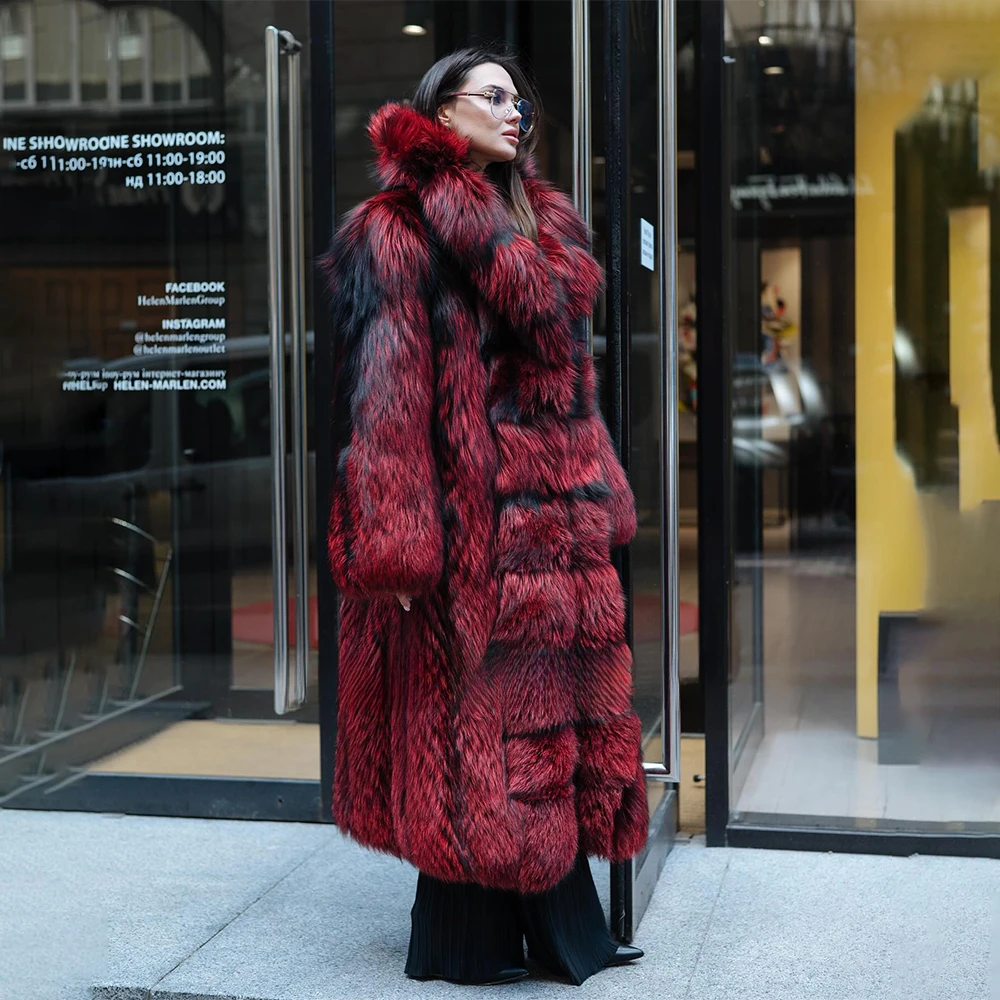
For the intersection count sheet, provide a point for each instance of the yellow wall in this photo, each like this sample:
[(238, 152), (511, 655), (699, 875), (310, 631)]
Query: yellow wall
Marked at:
[(903, 47)]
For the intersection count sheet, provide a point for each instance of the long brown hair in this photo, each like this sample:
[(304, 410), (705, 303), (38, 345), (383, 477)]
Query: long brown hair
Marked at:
[(445, 77)]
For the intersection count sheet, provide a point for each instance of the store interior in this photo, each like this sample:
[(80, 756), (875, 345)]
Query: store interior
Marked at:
[(874, 643)]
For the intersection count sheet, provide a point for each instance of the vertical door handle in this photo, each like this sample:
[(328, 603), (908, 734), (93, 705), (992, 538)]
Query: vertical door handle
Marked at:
[(582, 155), (289, 686), (300, 453)]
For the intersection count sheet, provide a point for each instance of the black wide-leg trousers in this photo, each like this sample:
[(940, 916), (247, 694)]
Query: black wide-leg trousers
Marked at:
[(469, 933)]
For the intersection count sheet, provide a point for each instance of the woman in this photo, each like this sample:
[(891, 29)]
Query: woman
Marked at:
[(485, 727)]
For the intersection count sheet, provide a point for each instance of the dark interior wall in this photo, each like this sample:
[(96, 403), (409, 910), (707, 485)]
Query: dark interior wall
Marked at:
[(375, 62), (547, 46)]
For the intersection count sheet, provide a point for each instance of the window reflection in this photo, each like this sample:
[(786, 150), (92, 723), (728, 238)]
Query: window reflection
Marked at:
[(136, 565), (14, 42), (78, 52), (866, 471)]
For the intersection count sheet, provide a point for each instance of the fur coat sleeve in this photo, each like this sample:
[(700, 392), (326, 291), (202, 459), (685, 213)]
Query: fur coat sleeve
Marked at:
[(386, 531)]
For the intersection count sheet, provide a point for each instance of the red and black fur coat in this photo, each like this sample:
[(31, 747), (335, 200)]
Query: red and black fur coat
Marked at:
[(487, 733)]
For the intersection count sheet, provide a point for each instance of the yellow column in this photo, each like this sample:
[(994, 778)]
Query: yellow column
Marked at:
[(891, 566), (905, 47)]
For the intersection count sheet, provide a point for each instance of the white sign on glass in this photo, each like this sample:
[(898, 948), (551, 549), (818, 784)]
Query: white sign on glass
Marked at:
[(646, 243)]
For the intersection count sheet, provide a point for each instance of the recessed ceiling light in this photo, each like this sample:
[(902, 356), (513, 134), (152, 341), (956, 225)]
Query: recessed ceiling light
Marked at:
[(765, 40), (774, 70), (414, 29)]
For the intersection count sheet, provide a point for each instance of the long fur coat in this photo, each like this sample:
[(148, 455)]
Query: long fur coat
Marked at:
[(487, 733)]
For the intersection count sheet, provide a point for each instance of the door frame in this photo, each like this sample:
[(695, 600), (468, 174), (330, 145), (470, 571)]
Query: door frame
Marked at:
[(324, 222), (715, 549)]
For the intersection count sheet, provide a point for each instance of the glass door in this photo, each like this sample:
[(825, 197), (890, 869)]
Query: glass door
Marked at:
[(861, 147), (156, 496), (760, 434), (636, 341), (585, 57)]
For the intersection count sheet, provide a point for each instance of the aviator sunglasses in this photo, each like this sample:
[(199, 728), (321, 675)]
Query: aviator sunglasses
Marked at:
[(502, 102)]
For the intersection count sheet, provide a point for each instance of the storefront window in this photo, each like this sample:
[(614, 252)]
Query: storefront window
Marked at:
[(137, 597), (865, 680)]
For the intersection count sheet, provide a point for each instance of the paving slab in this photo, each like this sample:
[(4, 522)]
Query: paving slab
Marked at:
[(119, 901), (338, 926), (806, 926)]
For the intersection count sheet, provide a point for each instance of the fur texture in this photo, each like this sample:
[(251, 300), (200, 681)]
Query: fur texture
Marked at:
[(489, 731)]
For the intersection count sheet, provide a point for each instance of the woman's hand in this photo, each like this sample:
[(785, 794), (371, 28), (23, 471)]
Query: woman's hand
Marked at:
[(404, 600)]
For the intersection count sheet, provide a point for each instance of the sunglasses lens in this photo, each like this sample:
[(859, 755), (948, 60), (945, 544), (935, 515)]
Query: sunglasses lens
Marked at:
[(527, 112), (500, 104)]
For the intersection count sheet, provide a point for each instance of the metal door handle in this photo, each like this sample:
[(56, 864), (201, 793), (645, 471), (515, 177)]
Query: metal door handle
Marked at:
[(300, 507), (289, 686), (582, 153), (668, 276)]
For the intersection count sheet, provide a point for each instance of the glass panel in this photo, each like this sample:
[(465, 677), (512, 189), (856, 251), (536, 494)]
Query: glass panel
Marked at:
[(646, 380), (53, 49), (646, 372), (645, 359), (752, 453), (375, 62), (95, 52), (691, 792), (14, 42), (864, 204), (692, 717), (136, 620)]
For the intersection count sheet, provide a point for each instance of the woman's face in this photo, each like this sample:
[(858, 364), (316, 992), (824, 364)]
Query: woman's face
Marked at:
[(491, 140)]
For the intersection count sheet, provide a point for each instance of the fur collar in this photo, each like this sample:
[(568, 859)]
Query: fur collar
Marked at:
[(544, 288), (409, 148)]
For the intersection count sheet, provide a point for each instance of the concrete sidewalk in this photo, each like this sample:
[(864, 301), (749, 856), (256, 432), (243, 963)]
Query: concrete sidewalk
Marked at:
[(122, 908)]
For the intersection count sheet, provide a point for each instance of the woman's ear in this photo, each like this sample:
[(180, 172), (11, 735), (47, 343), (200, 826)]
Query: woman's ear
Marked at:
[(443, 117)]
